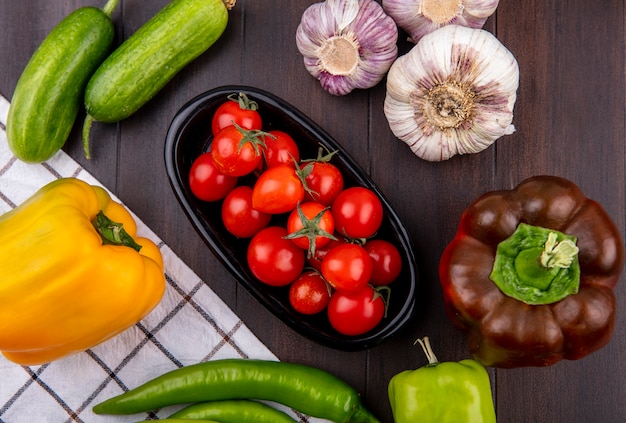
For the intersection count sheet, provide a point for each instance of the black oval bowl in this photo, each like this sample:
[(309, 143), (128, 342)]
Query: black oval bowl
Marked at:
[(189, 135)]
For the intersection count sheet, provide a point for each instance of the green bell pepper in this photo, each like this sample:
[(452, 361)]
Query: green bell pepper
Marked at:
[(448, 392)]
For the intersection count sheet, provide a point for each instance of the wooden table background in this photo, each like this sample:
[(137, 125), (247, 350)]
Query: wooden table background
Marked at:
[(570, 120)]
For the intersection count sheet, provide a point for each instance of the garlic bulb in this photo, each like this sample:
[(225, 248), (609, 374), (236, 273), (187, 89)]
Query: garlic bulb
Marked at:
[(420, 17), (452, 93), (347, 44)]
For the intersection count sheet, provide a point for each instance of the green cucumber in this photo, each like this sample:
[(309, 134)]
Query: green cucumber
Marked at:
[(49, 92), (143, 64)]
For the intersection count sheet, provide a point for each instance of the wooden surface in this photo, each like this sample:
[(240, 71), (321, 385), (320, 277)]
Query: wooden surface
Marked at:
[(570, 120)]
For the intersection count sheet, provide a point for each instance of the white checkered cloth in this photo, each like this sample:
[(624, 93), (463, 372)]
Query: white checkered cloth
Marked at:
[(191, 324)]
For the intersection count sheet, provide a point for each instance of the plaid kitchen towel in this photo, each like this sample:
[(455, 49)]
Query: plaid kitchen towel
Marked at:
[(191, 324)]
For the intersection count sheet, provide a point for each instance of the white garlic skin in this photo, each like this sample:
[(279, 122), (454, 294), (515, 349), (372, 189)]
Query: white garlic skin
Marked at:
[(457, 57), (413, 15), (364, 26)]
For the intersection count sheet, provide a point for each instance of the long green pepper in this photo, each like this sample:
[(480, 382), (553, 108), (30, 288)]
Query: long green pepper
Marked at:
[(233, 411), (170, 420), (307, 389)]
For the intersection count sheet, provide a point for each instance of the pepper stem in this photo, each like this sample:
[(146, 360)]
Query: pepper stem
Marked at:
[(229, 4), (430, 355), (109, 7), (113, 233), (86, 129), (558, 253), (537, 265)]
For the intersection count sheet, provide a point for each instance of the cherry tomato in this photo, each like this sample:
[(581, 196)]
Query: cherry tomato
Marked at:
[(358, 212), (238, 109), (386, 260), (315, 261), (347, 267), (274, 260), (277, 190), (309, 294), (280, 148), (310, 221), (323, 180), (238, 215), (356, 312), (206, 182), (236, 152)]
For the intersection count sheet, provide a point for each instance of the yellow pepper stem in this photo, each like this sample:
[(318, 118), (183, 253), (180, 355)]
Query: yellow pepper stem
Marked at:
[(113, 233)]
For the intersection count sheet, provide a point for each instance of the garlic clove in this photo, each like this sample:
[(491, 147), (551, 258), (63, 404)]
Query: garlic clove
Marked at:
[(452, 93), (347, 44), (420, 17)]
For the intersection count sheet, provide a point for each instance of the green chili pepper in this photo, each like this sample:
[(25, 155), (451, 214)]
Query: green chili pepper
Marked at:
[(448, 392), (537, 265), (168, 420), (233, 411), (309, 390)]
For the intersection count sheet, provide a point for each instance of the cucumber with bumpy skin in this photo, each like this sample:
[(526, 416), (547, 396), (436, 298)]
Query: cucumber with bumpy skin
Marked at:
[(49, 92), (143, 64)]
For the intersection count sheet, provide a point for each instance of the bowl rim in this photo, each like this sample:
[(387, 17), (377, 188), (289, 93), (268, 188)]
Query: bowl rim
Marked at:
[(177, 178)]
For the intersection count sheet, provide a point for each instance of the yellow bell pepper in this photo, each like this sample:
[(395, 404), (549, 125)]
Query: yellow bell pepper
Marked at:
[(64, 286)]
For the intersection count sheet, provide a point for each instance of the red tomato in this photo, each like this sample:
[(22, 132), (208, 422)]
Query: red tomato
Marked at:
[(280, 149), (316, 260), (238, 109), (347, 267), (277, 190), (274, 260), (309, 294), (386, 259), (356, 312), (323, 180), (358, 212), (236, 152), (318, 223), (206, 182), (238, 215)]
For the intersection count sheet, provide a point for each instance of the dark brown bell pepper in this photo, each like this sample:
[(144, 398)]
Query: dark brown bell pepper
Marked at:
[(536, 330)]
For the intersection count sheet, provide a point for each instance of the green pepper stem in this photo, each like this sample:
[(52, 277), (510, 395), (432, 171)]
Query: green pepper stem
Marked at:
[(430, 355), (113, 233), (537, 265), (362, 415), (86, 129), (109, 7)]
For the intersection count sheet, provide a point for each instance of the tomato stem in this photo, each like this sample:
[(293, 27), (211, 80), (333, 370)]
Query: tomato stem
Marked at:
[(311, 229), (324, 155), (386, 298), (244, 102), (254, 136)]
